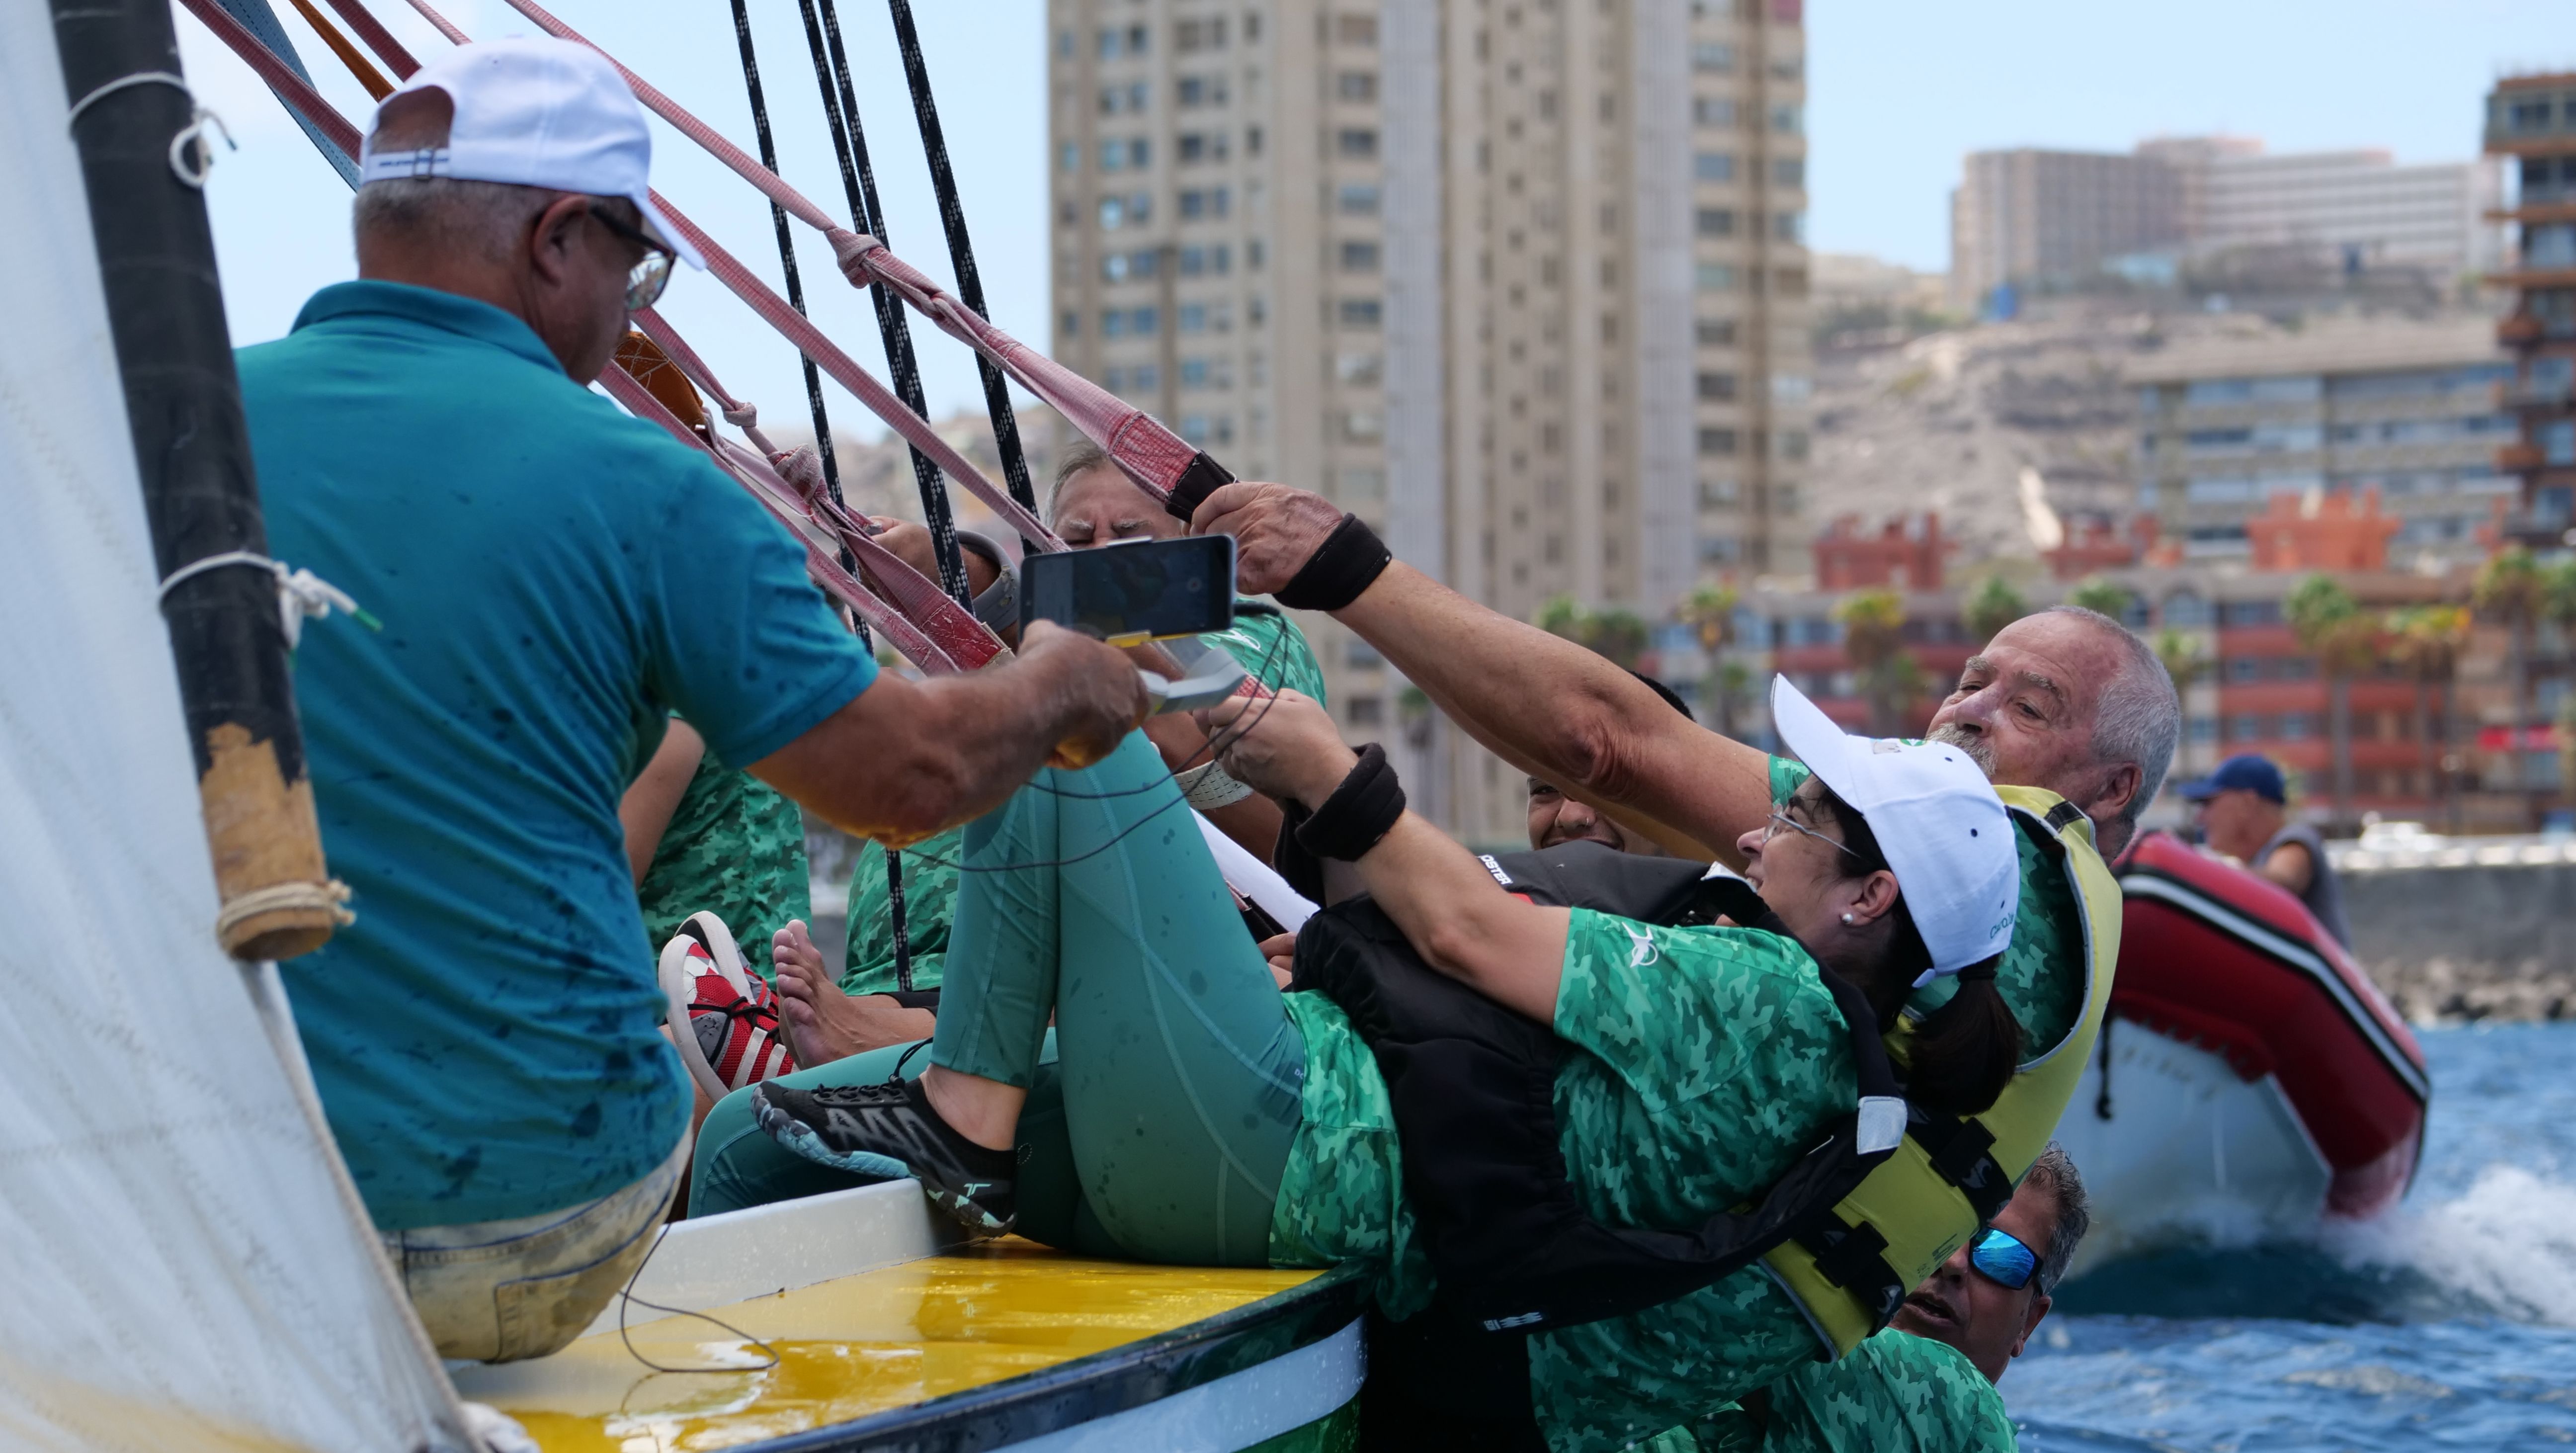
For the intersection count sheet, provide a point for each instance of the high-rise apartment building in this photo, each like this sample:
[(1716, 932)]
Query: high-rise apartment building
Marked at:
[(2028, 216), (2405, 412), (2532, 119), (1524, 285), (2053, 218)]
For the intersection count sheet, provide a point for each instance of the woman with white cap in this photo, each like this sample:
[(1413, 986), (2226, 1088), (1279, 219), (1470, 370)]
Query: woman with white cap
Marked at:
[(1215, 1119)]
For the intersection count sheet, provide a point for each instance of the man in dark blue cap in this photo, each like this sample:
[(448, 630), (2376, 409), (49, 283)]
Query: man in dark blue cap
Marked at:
[(2242, 809)]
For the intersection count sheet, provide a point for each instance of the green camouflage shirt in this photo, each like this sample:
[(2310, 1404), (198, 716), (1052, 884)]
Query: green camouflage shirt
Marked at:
[(1705, 1060), (929, 898), (734, 846), (1894, 1393), (1715, 1056), (1263, 641)]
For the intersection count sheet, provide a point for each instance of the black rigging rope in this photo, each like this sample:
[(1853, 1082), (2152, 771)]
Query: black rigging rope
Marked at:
[(961, 251), (893, 327), (795, 286)]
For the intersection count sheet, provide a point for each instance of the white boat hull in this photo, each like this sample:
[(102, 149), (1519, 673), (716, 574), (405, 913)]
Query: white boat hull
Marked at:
[(2191, 1152)]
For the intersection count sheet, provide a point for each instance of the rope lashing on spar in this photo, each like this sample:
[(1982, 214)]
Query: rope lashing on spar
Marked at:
[(200, 120), (301, 594)]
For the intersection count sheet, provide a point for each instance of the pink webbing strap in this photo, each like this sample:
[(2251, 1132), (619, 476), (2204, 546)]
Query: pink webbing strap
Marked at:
[(899, 633), (879, 400), (378, 39), (1154, 456), (291, 88), (736, 412), (960, 638)]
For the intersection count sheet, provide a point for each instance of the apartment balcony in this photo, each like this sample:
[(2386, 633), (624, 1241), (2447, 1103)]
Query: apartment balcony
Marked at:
[(2533, 395), (2520, 457), (2519, 330)]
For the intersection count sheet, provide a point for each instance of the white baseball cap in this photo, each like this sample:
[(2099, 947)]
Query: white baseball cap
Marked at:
[(534, 111), (1943, 830)]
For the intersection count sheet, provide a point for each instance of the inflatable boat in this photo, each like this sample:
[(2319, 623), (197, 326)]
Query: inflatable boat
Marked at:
[(2251, 1080), (852, 1321)]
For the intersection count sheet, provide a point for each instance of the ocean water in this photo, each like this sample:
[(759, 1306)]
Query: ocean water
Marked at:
[(2448, 1323)]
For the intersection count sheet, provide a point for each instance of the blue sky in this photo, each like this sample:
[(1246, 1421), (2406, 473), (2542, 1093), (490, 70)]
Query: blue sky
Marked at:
[(1900, 89)]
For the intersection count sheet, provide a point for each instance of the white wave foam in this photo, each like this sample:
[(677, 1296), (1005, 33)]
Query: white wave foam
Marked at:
[(2509, 1241)]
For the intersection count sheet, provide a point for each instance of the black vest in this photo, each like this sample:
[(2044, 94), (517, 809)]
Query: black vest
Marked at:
[(1472, 1085)]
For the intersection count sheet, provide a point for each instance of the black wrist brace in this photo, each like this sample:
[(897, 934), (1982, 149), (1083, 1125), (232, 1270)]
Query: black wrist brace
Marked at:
[(1360, 812), (1204, 477), (1348, 562)]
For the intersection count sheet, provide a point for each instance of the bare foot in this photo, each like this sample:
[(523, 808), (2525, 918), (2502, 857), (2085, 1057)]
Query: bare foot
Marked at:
[(823, 1024)]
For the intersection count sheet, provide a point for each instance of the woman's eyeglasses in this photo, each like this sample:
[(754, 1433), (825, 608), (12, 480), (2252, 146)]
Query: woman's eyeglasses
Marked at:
[(2001, 1258), (1781, 819), (648, 278)]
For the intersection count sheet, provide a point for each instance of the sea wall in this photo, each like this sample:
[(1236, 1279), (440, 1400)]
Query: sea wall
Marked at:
[(2481, 940)]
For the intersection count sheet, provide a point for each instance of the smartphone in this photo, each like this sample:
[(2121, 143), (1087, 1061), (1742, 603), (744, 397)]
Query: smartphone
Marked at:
[(1140, 590)]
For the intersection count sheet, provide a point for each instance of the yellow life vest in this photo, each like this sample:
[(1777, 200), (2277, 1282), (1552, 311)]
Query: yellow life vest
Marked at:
[(1919, 1207)]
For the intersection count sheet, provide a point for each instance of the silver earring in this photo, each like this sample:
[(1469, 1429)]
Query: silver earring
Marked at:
[(1846, 920)]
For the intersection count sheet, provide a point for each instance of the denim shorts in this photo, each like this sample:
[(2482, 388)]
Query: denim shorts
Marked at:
[(498, 1291)]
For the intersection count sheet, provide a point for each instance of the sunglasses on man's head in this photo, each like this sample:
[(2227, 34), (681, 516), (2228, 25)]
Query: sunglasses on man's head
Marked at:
[(2001, 1257)]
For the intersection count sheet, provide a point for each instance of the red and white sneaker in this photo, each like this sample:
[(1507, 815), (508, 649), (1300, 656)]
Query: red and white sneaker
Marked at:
[(724, 1018)]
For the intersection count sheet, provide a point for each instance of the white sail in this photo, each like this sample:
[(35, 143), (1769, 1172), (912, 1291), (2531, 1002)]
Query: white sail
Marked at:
[(182, 1264)]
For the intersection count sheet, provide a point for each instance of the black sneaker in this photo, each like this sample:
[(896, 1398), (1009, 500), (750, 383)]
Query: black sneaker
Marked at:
[(890, 1130)]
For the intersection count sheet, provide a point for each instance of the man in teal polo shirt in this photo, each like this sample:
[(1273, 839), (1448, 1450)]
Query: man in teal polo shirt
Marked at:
[(554, 579)]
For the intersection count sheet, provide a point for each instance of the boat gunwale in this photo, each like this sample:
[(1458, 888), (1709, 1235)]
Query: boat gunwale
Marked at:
[(1113, 1380)]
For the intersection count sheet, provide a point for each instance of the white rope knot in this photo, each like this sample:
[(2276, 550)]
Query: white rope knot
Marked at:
[(329, 896), (191, 157), (300, 593), (742, 416)]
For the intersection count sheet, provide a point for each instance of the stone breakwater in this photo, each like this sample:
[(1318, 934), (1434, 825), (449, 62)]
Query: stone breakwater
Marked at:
[(2468, 930)]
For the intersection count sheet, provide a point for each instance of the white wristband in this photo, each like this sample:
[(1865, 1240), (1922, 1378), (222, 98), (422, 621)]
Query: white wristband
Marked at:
[(1207, 786)]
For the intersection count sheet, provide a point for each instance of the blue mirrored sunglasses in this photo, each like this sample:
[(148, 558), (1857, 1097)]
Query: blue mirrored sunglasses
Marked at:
[(2001, 1258)]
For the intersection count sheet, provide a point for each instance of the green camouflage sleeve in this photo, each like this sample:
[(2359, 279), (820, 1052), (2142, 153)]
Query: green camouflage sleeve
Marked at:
[(1271, 647), (929, 900), (735, 847), (1894, 1393)]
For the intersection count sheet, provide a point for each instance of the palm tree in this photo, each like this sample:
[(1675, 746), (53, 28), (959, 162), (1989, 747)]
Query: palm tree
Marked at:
[(1873, 623), (2330, 625), (2510, 590), (2427, 640), (2097, 594), (1710, 613), (1725, 688), (1995, 606), (2186, 663), (1618, 634)]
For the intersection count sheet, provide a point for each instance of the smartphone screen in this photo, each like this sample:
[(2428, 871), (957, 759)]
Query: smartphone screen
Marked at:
[(1148, 590)]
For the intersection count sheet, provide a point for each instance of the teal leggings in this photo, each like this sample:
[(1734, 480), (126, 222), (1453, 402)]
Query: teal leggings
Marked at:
[(1160, 1128)]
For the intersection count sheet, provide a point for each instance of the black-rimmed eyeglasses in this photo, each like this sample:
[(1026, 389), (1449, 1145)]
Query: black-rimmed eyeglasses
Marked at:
[(646, 280)]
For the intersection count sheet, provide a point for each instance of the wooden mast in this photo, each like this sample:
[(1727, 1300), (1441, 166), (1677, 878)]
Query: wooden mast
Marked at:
[(183, 401)]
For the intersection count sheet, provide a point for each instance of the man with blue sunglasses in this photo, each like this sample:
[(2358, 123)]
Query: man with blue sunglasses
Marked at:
[(1927, 1383)]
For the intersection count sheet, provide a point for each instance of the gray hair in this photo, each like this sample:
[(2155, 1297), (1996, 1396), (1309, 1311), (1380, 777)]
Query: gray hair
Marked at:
[(1080, 458), (480, 219), (2055, 1173), (2140, 716)]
